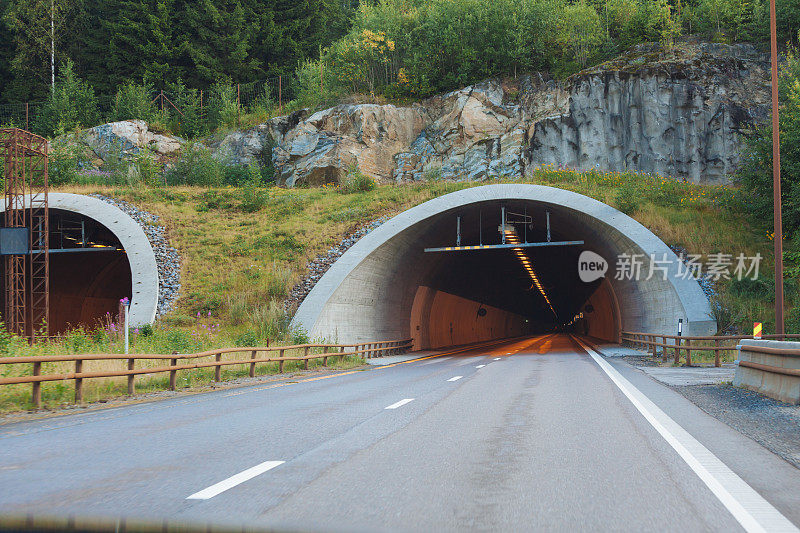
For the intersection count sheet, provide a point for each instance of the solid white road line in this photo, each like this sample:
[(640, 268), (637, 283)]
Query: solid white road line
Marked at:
[(401, 403), (496, 359), (455, 378), (480, 366), (232, 481), (749, 508)]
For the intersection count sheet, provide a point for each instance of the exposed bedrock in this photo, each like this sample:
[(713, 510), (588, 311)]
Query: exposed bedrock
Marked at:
[(679, 113)]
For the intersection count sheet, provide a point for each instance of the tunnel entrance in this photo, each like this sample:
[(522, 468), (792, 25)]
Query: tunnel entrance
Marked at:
[(388, 287), (89, 272), (496, 292)]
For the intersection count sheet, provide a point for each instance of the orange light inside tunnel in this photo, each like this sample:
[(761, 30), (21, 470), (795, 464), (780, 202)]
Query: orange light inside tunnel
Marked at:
[(512, 238)]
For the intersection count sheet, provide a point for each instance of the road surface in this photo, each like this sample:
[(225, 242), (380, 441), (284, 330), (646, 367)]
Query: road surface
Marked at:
[(530, 434)]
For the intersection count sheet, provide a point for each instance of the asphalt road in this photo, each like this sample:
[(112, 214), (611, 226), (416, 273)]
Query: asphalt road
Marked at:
[(528, 435)]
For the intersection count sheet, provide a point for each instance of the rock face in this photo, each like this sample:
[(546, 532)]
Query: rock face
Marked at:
[(243, 147), (322, 148), (679, 113), (680, 116), (129, 137)]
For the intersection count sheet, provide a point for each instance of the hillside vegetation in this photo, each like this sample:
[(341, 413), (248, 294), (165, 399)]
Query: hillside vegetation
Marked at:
[(121, 54)]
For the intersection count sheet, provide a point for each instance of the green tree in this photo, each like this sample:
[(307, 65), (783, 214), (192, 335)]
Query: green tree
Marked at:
[(755, 174), (39, 28), (72, 104), (214, 41), (129, 41), (134, 101), (579, 32)]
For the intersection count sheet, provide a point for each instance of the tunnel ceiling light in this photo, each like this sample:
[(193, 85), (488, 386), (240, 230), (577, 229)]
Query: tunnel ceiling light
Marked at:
[(512, 238)]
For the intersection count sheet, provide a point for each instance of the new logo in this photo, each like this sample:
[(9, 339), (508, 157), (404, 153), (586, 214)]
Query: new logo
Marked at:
[(591, 266)]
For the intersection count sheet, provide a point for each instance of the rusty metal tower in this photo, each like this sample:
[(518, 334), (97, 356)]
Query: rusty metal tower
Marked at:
[(27, 283)]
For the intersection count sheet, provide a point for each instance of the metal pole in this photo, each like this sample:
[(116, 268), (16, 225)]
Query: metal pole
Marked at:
[(458, 231), (503, 222), (127, 305), (548, 226), (526, 223), (776, 175)]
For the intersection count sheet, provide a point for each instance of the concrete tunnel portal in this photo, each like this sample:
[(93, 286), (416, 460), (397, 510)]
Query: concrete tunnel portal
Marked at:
[(98, 255), (387, 287)]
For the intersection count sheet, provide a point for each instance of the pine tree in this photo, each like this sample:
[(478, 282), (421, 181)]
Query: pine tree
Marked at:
[(129, 40), (214, 41)]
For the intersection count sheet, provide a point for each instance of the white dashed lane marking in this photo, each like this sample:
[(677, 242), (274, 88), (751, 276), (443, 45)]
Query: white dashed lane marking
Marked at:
[(401, 403), (232, 481)]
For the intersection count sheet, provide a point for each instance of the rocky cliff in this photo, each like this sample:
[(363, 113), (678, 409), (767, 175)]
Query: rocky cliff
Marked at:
[(678, 113)]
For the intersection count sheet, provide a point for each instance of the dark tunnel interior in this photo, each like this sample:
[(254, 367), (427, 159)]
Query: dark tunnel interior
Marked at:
[(89, 272), (497, 279)]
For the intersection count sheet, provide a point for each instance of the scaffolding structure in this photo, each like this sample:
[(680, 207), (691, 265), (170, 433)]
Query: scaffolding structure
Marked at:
[(27, 283)]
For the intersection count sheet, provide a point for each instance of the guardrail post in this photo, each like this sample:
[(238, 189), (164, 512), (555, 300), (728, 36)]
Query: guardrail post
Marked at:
[(717, 361), (280, 363), (664, 355), (341, 357), (173, 374), (688, 352), (36, 398), (218, 368), (325, 359), (78, 381), (253, 365), (131, 385), (677, 350), (305, 354)]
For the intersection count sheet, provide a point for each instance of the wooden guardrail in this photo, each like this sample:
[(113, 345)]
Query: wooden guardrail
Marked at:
[(688, 344), (367, 350)]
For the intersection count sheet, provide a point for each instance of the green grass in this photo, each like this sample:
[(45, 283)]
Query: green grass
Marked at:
[(239, 264)]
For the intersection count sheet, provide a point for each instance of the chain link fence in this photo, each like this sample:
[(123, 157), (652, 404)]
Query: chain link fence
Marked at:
[(206, 108)]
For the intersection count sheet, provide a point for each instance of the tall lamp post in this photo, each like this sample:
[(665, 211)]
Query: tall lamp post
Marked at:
[(776, 175)]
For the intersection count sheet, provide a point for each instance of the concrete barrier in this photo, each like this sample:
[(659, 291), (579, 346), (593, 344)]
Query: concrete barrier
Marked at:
[(771, 368)]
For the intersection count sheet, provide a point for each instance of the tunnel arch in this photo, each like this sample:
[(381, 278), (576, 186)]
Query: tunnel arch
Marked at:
[(137, 249), (370, 292)]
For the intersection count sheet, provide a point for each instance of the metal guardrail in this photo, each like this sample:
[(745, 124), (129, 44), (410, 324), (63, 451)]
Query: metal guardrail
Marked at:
[(367, 350), (681, 343), (769, 350)]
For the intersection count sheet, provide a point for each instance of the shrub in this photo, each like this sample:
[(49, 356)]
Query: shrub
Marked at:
[(356, 181), (63, 164), (195, 166), (189, 120), (223, 107), (134, 101), (626, 199), (270, 321), (72, 104), (253, 195), (299, 335)]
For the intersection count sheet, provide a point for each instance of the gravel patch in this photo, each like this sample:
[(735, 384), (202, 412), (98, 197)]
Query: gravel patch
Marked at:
[(168, 261), (318, 266), (773, 424)]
